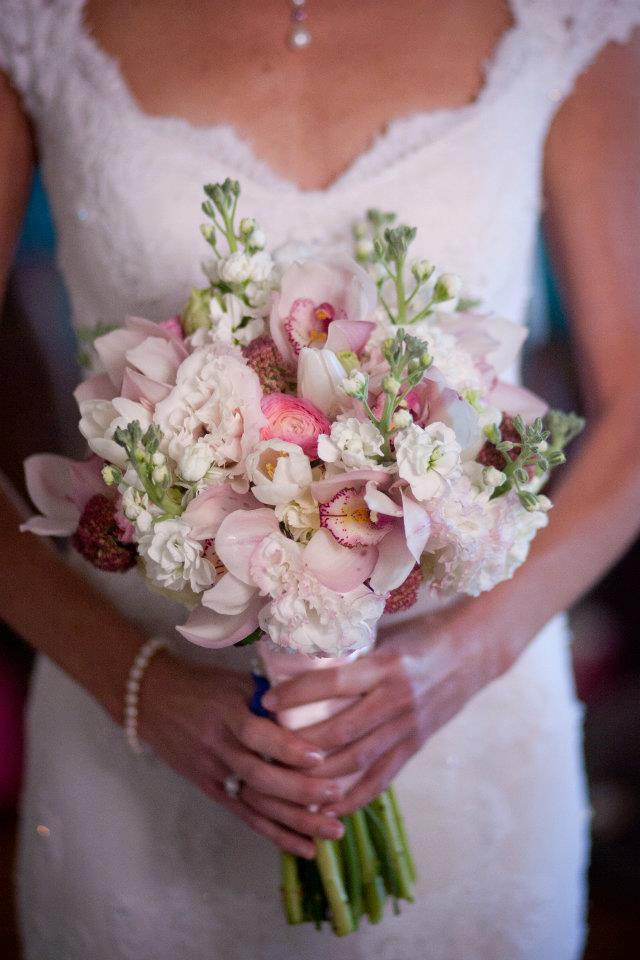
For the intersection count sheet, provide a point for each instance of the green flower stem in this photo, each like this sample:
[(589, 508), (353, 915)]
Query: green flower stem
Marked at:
[(372, 885), (291, 889), (395, 847), (400, 292), (353, 870), (330, 867), (402, 831)]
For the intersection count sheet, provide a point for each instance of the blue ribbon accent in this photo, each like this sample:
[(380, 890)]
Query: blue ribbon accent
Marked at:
[(261, 685)]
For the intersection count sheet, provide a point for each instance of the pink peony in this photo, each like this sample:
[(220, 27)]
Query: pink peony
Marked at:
[(294, 420)]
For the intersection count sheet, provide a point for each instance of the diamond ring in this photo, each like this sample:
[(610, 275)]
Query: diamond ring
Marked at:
[(232, 785)]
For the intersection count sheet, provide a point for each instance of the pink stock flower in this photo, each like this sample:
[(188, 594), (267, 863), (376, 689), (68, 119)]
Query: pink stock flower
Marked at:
[(294, 420)]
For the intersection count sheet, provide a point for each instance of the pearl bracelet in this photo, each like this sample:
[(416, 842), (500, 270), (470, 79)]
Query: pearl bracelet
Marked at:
[(132, 690)]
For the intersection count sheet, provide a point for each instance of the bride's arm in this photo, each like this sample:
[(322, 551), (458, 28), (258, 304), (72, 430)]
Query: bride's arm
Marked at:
[(198, 720), (425, 672)]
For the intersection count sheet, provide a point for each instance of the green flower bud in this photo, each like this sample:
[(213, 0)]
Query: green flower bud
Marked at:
[(391, 386), (111, 475), (422, 270), (348, 359), (196, 314), (448, 287)]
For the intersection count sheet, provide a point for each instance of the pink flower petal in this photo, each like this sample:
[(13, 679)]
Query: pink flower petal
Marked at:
[(513, 400), (214, 630), (295, 420), (336, 567), (149, 328), (238, 536), (112, 351), (229, 595), (135, 386), (49, 482), (349, 335), (417, 525), (326, 488), (206, 512), (98, 387), (379, 502), (395, 562)]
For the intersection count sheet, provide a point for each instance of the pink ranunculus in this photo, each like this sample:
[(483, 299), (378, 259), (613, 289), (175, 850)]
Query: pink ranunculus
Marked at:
[(294, 420), (316, 295)]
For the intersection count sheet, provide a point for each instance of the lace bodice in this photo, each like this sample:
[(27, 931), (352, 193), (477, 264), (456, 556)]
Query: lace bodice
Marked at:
[(125, 186)]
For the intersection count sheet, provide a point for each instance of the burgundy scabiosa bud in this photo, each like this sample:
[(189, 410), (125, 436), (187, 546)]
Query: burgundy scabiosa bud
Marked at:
[(404, 596), (96, 537), (274, 375)]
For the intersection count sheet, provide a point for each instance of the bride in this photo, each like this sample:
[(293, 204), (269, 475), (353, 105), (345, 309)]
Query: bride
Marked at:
[(468, 119)]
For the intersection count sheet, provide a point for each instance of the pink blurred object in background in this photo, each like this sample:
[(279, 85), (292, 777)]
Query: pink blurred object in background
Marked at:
[(12, 696)]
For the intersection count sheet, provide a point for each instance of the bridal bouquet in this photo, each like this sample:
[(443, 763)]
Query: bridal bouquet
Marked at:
[(301, 449)]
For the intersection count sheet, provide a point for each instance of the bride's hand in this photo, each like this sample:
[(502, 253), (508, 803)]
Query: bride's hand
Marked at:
[(420, 674), (198, 720)]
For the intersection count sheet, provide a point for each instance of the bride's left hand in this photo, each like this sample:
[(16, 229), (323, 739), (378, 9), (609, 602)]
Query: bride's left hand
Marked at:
[(420, 674)]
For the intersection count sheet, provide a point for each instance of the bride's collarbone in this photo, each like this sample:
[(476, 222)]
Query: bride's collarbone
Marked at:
[(308, 114)]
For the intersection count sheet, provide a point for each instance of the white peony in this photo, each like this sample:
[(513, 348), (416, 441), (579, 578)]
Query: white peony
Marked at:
[(356, 443), (173, 559), (428, 458), (279, 471)]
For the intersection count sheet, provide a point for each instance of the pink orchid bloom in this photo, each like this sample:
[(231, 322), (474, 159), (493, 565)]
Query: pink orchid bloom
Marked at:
[(60, 488), (155, 350), (206, 512), (512, 400), (432, 400), (491, 341), (322, 303)]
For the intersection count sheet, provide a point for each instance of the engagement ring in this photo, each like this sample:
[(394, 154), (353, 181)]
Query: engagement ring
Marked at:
[(232, 785)]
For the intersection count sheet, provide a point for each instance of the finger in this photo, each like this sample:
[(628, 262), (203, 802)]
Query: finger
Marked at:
[(277, 780), (268, 738), (380, 705), (349, 679), (286, 839), (292, 815), (364, 752), (377, 778)]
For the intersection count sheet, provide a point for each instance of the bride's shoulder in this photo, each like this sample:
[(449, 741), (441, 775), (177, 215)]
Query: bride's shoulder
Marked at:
[(29, 47), (567, 35)]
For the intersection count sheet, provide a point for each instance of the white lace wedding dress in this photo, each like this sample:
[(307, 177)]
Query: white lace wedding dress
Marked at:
[(136, 862)]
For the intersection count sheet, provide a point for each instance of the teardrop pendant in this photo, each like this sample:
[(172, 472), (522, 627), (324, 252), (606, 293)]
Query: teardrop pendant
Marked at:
[(299, 36)]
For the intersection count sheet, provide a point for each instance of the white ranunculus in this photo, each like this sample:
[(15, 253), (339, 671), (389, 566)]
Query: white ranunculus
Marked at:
[(195, 462), (356, 443), (428, 457), (173, 559), (279, 471), (99, 419), (236, 268)]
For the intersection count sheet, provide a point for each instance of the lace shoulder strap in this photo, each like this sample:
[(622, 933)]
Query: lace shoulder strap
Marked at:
[(569, 34), (32, 41)]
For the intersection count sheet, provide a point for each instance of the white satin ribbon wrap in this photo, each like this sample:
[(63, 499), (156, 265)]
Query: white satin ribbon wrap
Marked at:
[(281, 664)]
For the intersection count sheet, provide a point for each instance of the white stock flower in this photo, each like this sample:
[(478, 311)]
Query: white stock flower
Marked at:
[(195, 461), (173, 559), (357, 443), (137, 508), (260, 266), (354, 384), (428, 457), (280, 471), (236, 268)]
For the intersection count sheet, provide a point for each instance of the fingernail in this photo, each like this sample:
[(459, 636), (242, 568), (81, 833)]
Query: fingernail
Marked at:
[(332, 793), (336, 830), (330, 813), (314, 756)]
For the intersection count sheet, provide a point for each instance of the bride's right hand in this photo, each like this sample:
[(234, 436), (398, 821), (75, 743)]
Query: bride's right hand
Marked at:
[(198, 720)]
